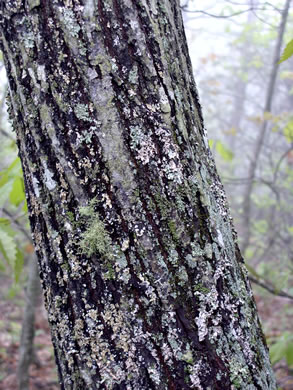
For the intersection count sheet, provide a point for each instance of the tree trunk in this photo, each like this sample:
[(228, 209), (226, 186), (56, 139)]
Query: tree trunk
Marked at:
[(26, 348), (143, 280)]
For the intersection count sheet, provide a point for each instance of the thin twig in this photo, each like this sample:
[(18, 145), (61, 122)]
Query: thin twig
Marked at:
[(267, 286), (19, 226), (218, 16)]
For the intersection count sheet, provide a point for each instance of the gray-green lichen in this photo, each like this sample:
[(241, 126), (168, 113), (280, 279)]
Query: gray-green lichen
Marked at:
[(33, 4), (82, 112), (95, 239), (70, 21)]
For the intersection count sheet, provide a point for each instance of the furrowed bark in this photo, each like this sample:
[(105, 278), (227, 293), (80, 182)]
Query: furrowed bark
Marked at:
[(143, 280)]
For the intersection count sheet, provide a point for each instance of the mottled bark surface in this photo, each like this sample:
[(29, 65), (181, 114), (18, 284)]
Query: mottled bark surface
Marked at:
[(143, 281)]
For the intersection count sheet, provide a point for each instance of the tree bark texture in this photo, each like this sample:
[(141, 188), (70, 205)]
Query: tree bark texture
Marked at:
[(143, 280)]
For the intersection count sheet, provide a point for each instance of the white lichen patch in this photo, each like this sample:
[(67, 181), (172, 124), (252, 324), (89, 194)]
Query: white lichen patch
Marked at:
[(171, 164), (195, 371), (48, 175), (220, 238), (33, 4), (29, 40), (154, 374), (70, 21), (164, 101), (41, 73), (82, 112), (133, 75), (187, 355), (125, 245), (36, 184), (208, 305), (142, 144), (106, 200), (173, 170)]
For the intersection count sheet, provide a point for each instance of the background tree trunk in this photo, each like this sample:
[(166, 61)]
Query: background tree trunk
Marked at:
[(143, 280), (261, 137), (26, 349)]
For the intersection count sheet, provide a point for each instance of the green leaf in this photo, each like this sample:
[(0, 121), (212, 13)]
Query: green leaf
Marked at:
[(14, 166), (8, 229), (5, 191), (248, 254), (13, 170), (243, 76), (17, 193), (4, 178), (13, 291), (7, 246), (256, 63), (2, 267), (11, 184), (289, 354), (261, 226), (287, 53), (288, 131), (283, 348), (4, 221), (252, 271), (286, 74), (224, 152), (290, 230), (211, 143), (24, 207), (277, 351)]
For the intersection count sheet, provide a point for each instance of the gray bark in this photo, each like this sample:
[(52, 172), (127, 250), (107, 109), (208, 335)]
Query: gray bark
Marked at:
[(143, 280), (262, 133)]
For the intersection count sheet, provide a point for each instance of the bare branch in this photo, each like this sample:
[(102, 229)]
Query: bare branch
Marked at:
[(269, 287), (218, 16), (17, 224)]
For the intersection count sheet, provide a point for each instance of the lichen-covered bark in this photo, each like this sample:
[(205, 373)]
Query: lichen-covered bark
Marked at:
[(143, 280)]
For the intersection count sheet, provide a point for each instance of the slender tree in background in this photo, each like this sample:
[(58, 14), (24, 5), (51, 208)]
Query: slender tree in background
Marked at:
[(26, 348), (143, 280), (260, 139)]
